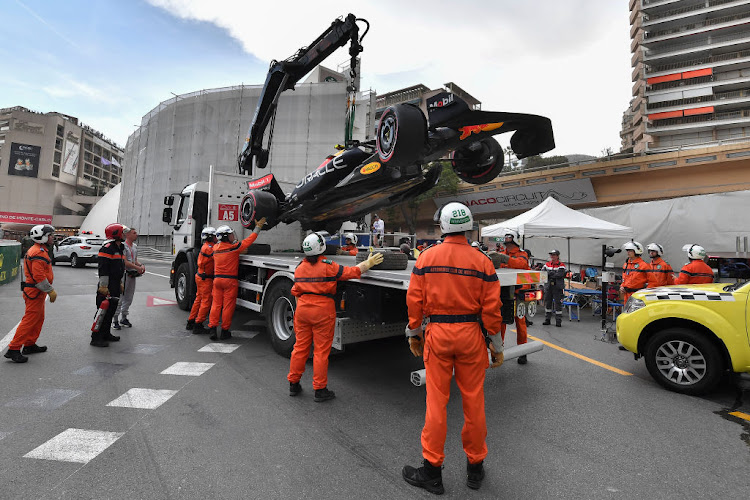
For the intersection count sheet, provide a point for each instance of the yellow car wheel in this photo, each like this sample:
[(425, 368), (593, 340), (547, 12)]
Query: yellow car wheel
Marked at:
[(684, 361)]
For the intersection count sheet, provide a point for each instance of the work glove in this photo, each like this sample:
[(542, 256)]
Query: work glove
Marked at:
[(504, 258), (103, 290), (416, 345), (373, 260), (496, 351), (52, 295), (259, 224)]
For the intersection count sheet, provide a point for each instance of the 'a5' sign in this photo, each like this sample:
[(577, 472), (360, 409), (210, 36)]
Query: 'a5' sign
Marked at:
[(229, 212)]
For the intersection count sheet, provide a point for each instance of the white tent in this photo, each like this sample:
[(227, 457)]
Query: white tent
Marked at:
[(553, 219)]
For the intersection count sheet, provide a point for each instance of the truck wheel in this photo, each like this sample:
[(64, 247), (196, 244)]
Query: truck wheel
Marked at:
[(683, 361), (392, 261), (182, 286), (401, 135), (258, 249), (279, 313)]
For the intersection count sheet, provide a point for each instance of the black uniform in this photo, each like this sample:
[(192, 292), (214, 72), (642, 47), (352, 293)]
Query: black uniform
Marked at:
[(112, 265), (553, 291)]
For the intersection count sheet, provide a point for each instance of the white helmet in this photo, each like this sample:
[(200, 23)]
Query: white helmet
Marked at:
[(223, 232), (511, 235), (40, 233), (455, 218), (655, 247), (207, 233), (695, 252), (635, 246), (313, 244), (351, 236), (475, 244)]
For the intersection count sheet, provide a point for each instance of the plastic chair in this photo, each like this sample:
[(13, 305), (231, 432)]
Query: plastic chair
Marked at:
[(570, 302)]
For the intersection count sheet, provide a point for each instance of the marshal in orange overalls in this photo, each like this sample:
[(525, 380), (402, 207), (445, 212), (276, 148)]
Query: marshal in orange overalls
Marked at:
[(204, 283), (37, 268), (349, 249), (634, 276), (661, 273), (315, 315), (454, 286), (226, 279), (695, 272), (518, 260)]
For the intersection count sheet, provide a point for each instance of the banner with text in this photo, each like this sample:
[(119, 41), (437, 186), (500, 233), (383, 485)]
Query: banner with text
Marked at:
[(19, 218), (524, 197)]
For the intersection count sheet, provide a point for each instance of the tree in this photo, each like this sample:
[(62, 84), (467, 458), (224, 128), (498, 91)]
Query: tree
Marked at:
[(539, 161), (448, 183)]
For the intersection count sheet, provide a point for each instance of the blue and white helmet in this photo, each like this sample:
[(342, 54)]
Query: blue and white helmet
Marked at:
[(223, 232), (40, 233), (207, 233)]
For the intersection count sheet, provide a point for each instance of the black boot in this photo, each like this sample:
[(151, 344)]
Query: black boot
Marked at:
[(190, 324), (428, 477), (323, 395), (547, 321), (16, 356), (111, 338), (225, 334), (529, 322), (558, 322), (199, 329), (98, 341), (522, 360), (33, 348), (294, 388), (214, 333), (474, 474)]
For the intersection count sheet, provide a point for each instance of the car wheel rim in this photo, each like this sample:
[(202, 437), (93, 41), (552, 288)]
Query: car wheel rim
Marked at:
[(74, 261), (387, 135), (282, 316), (681, 362), (181, 286)]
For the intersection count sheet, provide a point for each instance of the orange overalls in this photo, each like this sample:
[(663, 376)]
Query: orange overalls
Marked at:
[(351, 249), (204, 284), (454, 287), (226, 266), (518, 260), (661, 273), (37, 268), (315, 316), (695, 272), (634, 276)]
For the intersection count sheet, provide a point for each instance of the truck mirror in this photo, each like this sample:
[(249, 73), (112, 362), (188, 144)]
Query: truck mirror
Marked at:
[(169, 201), (166, 215)]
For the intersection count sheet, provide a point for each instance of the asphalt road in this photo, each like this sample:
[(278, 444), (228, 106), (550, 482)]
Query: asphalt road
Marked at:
[(560, 426)]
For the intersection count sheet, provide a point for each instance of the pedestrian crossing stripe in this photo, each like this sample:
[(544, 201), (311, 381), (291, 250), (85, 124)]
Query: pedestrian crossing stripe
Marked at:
[(687, 294), (152, 301)]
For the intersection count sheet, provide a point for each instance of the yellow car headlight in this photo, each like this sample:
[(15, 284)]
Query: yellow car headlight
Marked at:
[(634, 304)]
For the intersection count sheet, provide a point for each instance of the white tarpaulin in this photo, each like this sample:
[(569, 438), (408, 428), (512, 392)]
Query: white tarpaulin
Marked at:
[(553, 219)]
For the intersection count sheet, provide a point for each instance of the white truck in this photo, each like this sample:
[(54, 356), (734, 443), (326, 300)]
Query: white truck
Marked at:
[(368, 308)]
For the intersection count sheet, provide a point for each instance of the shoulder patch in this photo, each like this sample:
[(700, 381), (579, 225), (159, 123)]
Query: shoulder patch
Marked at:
[(327, 261)]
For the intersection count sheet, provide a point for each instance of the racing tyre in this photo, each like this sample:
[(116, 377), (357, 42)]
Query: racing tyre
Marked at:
[(258, 249), (684, 361), (392, 261), (278, 308), (401, 135), (478, 163), (183, 287)]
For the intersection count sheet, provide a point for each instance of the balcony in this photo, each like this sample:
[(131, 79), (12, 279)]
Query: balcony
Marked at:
[(720, 98), (705, 41), (682, 11), (707, 60), (699, 122)]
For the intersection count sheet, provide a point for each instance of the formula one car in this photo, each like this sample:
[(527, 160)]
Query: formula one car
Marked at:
[(395, 167)]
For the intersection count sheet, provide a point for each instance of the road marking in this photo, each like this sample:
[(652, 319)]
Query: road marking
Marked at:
[(6, 340), (741, 415), (187, 368), (160, 275), (152, 301), (222, 348), (44, 399), (147, 399), (75, 445), (581, 356)]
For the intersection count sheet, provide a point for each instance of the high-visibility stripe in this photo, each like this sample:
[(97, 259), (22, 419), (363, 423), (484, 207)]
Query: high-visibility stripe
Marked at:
[(109, 256), (316, 279), (702, 275), (471, 273), (230, 249)]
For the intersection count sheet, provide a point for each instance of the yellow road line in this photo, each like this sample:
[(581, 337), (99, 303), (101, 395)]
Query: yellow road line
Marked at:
[(581, 356), (740, 415)]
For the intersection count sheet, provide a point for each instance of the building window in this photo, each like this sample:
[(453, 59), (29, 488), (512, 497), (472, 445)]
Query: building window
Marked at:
[(88, 168), (87, 144), (55, 170), (58, 157), (60, 130), (58, 144), (97, 172)]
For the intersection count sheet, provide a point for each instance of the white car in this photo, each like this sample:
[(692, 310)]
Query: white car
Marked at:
[(78, 250)]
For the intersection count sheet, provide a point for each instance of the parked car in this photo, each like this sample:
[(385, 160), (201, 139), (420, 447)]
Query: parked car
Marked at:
[(78, 250), (689, 335)]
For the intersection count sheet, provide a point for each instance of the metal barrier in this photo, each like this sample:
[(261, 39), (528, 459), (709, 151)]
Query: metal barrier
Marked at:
[(10, 259)]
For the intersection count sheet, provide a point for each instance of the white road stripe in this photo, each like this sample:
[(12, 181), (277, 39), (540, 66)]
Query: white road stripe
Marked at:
[(75, 445), (147, 399), (6, 340), (187, 368), (221, 348), (160, 275)]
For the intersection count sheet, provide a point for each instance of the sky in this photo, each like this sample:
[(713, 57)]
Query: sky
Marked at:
[(109, 62)]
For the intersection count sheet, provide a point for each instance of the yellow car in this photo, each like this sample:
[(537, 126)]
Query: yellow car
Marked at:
[(689, 334)]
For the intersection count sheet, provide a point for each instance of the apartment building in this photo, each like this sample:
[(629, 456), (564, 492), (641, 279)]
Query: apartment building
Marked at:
[(52, 168), (691, 74)]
